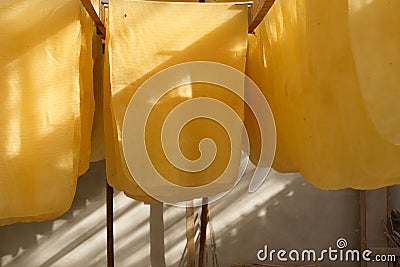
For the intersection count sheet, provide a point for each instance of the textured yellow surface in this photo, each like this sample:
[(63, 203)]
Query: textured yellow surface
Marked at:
[(139, 45), (42, 50), (330, 71)]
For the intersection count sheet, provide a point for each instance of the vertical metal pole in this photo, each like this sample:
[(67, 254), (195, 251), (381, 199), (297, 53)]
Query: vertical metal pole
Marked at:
[(110, 225), (157, 248), (388, 211), (388, 218), (203, 231), (363, 224), (191, 249)]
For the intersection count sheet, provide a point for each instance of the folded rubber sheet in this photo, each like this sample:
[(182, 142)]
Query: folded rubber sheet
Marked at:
[(47, 106), (147, 37), (330, 71)]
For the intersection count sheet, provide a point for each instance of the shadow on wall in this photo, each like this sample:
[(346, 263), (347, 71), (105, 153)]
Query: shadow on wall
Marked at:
[(296, 215), (285, 213)]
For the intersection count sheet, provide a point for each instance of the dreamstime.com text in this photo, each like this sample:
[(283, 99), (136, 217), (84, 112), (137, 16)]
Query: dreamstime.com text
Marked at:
[(333, 254)]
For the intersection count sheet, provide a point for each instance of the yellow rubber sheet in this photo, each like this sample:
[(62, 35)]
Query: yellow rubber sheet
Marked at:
[(45, 88), (330, 71), (147, 37)]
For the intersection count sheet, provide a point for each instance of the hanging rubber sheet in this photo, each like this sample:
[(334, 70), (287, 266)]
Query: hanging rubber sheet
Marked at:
[(330, 71), (47, 106), (147, 37)]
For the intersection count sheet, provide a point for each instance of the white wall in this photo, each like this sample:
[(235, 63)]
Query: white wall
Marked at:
[(285, 213)]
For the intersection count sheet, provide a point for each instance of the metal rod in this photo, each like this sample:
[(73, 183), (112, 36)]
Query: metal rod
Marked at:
[(191, 248), (95, 17), (110, 225), (388, 211), (203, 231), (363, 224), (257, 12), (157, 248), (388, 218)]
